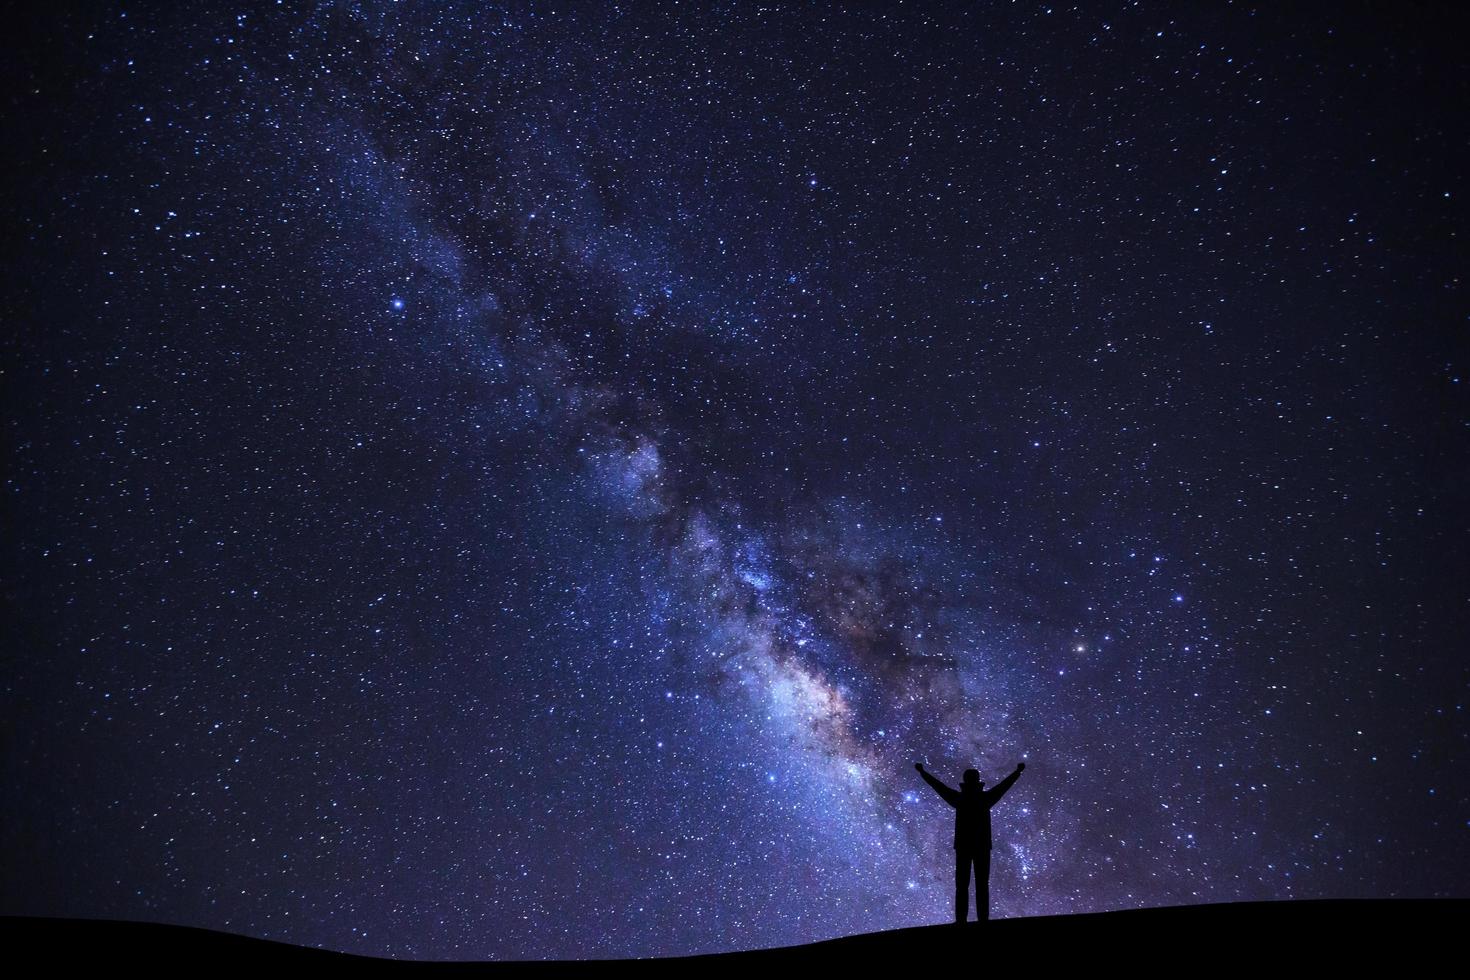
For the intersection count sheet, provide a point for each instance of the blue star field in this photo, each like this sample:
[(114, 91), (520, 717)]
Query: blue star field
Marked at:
[(531, 481)]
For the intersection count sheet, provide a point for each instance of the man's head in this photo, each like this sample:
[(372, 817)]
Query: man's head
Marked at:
[(972, 778)]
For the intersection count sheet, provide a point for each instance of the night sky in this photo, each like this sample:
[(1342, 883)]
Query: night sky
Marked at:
[(531, 483)]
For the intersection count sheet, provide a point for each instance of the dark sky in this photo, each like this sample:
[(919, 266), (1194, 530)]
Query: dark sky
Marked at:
[(532, 483)]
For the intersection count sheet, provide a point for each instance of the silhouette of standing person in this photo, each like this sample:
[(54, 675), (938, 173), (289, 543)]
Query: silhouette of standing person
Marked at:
[(972, 803)]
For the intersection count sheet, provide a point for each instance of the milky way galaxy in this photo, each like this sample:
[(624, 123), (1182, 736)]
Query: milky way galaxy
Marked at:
[(531, 481)]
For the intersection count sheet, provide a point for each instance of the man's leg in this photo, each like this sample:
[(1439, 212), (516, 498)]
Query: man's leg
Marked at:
[(982, 884), (961, 886)]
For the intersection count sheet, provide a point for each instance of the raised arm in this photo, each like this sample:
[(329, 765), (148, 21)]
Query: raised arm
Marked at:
[(951, 796), (995, 794)]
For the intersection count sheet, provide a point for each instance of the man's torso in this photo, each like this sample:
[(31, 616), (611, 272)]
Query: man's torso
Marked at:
[(972, 824)]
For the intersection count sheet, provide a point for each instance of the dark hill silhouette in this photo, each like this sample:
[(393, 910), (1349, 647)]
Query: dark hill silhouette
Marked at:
[(1347, 934)]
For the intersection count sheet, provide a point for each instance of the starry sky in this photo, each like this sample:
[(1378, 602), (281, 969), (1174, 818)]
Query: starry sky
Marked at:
[(531, 481)]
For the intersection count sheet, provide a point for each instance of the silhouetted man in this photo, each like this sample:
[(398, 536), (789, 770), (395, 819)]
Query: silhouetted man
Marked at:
[(972, 803)]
